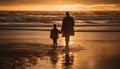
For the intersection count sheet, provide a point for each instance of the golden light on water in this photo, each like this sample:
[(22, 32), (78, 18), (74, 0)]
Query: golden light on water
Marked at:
[(72, 40), (62, 42)]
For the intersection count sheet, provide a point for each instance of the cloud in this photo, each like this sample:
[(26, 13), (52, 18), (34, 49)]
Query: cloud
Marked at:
[(57, 2), (42, 2), (75, 7), (98, 1), (47, 4)]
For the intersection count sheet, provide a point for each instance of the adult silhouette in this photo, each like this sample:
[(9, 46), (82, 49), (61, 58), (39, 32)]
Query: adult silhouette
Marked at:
[(67, 31), (67, 28)]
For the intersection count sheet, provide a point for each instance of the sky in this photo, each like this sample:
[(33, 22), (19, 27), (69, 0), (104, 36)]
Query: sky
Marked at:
[(60, 5)]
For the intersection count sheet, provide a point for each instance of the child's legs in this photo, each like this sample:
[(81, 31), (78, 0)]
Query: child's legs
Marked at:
[(55, 42)]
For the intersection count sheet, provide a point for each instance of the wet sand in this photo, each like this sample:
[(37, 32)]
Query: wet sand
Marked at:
[(32, 50), (89, 55)]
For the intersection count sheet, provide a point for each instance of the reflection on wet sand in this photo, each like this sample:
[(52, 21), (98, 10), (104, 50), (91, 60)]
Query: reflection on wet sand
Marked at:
[(19, 63), (53, 56), (94, 52), (91, 55)]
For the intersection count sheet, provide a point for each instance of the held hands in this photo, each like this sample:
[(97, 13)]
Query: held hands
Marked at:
[(60, 32)]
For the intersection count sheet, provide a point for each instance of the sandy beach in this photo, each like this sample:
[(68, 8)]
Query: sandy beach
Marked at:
[(100, 52)]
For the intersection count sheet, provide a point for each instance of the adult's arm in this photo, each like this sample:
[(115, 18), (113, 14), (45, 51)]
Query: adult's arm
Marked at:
[(73, 21), (63, 24)]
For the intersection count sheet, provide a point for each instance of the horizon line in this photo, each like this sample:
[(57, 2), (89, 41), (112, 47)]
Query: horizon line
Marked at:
[(60, 10)]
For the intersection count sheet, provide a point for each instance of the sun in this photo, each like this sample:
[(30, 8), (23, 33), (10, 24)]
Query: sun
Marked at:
[(66, 7)]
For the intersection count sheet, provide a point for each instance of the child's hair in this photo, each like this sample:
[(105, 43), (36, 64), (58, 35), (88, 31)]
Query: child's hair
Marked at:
[(54, 25)]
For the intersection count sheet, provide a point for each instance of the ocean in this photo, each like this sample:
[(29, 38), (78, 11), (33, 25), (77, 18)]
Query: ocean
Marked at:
[(36, 25)]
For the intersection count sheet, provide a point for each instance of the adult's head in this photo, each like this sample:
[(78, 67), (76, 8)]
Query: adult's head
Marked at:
[(67, 14), (54, 25)]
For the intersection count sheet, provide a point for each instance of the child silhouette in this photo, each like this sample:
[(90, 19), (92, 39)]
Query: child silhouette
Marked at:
[(54, 35)]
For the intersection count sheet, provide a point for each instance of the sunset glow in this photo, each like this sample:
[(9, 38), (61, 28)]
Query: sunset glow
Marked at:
[(74, 7), (60, 5)]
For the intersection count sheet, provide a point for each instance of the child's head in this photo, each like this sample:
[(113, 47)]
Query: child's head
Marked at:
[(54, 25)]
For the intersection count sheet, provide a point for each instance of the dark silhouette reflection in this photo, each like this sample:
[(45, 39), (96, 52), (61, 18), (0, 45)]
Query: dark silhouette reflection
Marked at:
[(53, 56), (68, 58)]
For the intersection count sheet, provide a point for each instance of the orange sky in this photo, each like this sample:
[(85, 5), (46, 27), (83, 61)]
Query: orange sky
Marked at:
[(60, 5)]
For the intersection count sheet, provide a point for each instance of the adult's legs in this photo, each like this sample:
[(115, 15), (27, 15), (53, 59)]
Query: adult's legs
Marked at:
[(67, 39)]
